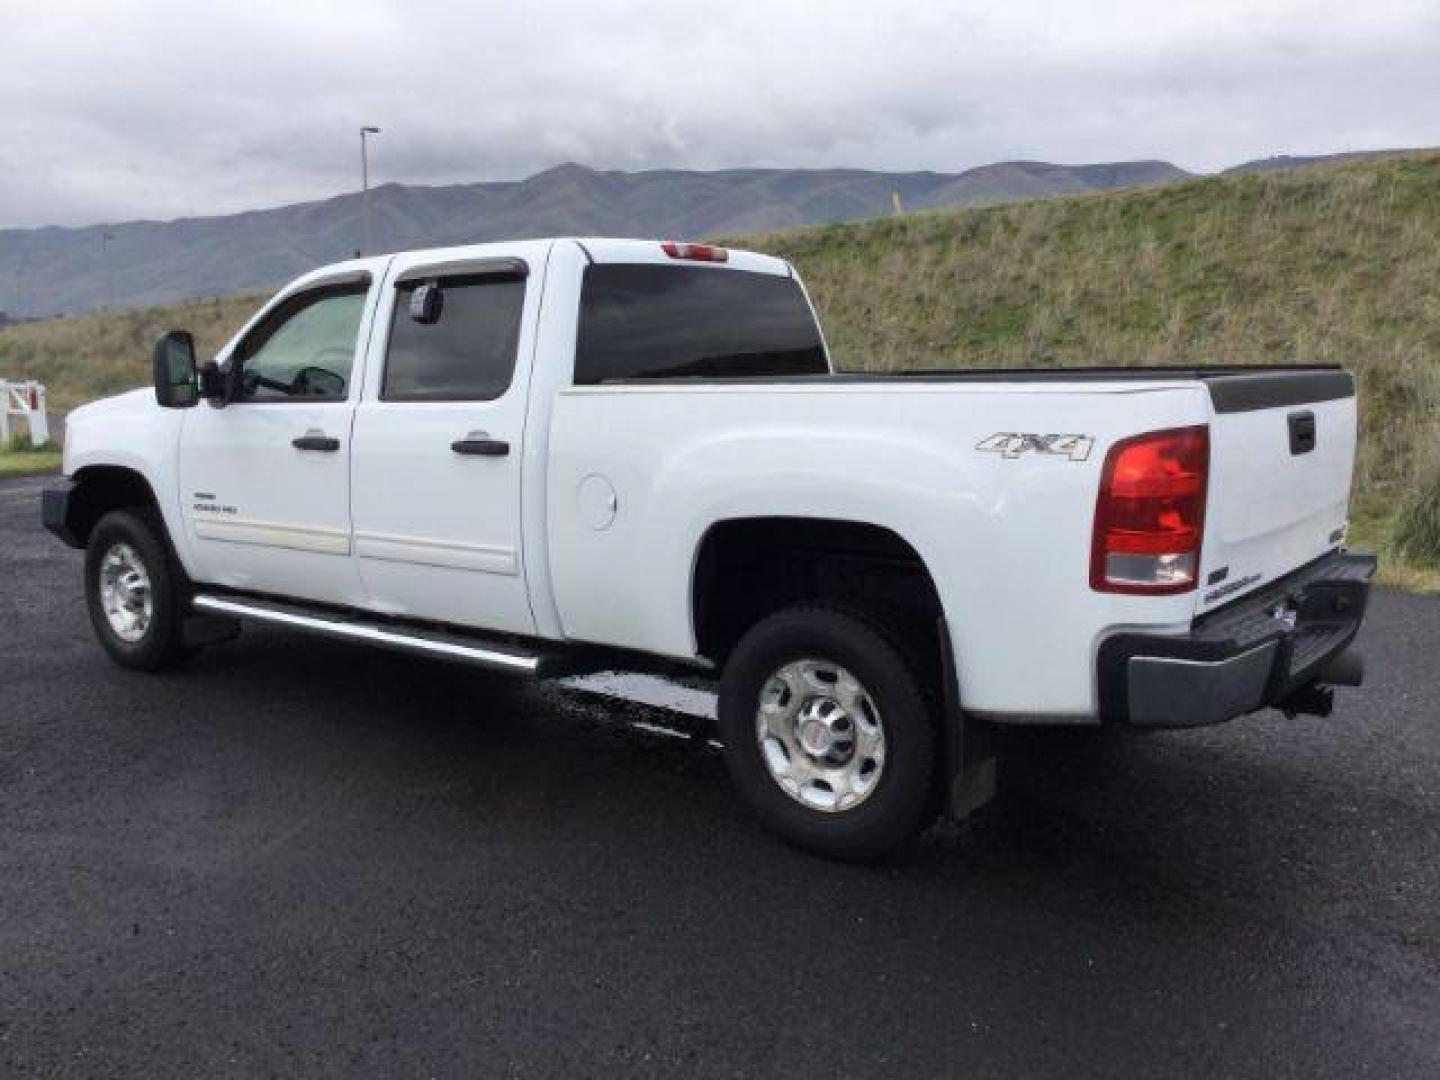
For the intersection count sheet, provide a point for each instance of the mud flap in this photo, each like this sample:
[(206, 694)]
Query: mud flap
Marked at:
[(968, 745)]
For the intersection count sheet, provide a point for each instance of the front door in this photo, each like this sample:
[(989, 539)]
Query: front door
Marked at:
[(265, 480), (439, 445)]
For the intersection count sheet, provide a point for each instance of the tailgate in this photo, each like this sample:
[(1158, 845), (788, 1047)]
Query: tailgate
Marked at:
[(1282, 450)]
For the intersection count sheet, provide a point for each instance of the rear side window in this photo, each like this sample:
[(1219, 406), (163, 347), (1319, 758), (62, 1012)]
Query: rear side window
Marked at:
[(653, 321), (467, 353)]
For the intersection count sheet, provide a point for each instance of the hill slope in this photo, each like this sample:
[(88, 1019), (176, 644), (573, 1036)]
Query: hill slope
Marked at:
[(50, 271), (1304, 161), (1332, 264)]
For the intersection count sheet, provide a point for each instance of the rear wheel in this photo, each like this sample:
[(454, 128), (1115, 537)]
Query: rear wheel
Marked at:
[(133, 592), (829, 733)]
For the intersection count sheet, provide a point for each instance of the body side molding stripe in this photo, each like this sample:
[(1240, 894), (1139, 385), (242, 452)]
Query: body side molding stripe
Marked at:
[(486, 558), (271, 534)]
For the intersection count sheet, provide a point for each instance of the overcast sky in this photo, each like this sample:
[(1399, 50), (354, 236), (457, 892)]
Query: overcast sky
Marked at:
[(112, 110)]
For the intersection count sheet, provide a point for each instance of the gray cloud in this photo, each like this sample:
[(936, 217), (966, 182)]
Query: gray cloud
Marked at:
[(158, 108)]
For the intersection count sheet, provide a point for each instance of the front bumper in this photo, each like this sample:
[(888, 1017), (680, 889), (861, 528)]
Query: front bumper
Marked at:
[(57, 502), (1268, 648)]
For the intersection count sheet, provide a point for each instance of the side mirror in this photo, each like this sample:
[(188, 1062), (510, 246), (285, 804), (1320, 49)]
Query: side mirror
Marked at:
[(426, 303), (173, 367)]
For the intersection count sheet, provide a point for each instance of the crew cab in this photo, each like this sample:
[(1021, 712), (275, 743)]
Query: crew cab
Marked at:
[(569, 455)]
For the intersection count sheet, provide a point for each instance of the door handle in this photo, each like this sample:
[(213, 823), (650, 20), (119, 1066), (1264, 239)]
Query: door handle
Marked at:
[(316, 440), (478, 443), (1302, 432)]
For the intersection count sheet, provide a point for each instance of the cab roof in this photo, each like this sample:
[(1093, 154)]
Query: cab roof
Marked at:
[(597, 250)]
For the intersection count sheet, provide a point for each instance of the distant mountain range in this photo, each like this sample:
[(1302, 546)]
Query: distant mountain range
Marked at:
[(52, 271)]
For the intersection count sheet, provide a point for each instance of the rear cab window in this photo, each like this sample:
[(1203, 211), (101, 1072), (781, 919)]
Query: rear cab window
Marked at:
[(657, 321)]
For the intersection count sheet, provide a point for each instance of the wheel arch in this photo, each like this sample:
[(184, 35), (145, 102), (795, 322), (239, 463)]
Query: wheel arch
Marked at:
[(98, 489), (748, 567)]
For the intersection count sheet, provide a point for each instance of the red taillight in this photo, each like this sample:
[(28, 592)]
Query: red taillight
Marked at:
[(1150, 516), (34, 399), (695, 252)]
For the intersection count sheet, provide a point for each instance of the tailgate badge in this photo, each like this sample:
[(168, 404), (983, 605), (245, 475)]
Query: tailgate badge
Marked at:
[(1231, 587)]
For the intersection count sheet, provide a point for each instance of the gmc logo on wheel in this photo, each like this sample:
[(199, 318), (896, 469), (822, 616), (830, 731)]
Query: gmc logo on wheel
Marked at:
[(1011, 444)]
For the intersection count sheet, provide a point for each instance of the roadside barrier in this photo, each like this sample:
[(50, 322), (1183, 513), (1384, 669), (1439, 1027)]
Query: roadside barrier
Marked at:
[(25, 400)]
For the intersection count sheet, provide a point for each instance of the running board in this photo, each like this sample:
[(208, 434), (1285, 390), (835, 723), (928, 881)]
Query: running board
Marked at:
[(425, 643)]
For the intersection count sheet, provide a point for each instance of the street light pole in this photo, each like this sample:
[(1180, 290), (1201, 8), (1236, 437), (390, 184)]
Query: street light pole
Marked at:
[(105, 239), (365, 185), (20, 283)]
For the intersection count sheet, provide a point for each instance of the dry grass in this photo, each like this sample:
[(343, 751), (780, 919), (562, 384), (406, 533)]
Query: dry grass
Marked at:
[(90, 356), (1414, 535), (1396, 570), (1322, 265), (1334, 264)]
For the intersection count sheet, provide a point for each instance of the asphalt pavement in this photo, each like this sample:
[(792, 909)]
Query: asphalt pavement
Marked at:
[(300, 858)]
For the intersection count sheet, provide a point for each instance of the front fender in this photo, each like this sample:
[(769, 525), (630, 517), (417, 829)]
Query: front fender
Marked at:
[(132, 432)]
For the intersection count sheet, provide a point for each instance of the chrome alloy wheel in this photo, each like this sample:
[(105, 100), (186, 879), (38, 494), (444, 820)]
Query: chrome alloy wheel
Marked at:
[(821, 735), (125, 594)]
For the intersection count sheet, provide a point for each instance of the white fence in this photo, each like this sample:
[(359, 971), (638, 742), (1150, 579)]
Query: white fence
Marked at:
[(25, 400)]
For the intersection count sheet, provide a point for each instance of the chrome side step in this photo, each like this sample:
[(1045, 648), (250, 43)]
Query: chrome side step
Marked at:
[(450, 647)]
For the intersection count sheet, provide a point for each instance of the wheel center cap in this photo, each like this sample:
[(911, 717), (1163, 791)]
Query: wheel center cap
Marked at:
[(822, 729), (815, 736)]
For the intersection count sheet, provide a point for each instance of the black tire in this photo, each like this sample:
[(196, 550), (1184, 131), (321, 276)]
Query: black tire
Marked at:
[(902, 800), (161, 644)]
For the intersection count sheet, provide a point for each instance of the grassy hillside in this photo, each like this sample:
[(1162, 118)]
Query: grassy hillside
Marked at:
[(1330, 264), (90, 356)]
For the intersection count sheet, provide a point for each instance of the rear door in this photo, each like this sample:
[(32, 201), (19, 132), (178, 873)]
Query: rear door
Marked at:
[(439, 441), (1282, 454)]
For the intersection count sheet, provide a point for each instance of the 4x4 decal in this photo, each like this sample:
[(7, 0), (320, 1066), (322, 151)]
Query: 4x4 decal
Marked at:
[(1011, 444)]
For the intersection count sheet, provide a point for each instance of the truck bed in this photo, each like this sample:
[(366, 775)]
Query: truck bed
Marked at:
[(1008, 535)]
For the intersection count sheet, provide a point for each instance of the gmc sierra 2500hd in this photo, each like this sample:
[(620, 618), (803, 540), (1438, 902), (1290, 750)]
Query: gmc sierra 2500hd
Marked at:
[(570, 455)]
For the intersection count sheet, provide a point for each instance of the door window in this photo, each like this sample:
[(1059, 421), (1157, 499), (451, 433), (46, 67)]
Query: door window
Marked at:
[(305, 348), (466, 351)]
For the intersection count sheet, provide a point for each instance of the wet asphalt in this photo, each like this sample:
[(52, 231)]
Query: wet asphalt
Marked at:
[(297, 858)]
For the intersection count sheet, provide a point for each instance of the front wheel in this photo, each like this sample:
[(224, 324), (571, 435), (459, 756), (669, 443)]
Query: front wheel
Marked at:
[(829, 733), (133, 592)]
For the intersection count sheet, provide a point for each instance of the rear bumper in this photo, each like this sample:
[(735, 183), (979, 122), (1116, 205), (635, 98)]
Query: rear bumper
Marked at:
[(1268, 648)]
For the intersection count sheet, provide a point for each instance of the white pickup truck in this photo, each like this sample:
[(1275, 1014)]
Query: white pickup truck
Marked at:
[(571, 455)]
